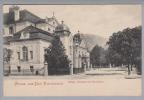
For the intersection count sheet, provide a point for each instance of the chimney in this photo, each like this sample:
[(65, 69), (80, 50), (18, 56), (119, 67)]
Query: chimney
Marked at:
[(15, 10)]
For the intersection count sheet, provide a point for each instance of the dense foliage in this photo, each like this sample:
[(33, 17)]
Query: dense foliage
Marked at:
[(97, 57), (125, 48), (56, 58)]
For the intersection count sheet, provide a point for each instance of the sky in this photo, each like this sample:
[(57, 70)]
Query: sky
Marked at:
[(102, 20)]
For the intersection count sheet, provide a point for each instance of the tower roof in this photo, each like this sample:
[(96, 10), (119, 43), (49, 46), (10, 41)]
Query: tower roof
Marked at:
[(77, 37), (62, 27)]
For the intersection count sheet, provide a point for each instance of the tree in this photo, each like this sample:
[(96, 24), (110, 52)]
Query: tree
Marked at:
[(97, 56), (126, 44), (113, 58), (56, 58)]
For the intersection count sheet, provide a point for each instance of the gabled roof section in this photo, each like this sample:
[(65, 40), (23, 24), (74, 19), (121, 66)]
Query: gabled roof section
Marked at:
[(34, 33), (24, 16)]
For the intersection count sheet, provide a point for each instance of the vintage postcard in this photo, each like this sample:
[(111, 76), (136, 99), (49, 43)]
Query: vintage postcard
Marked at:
[(72, 50)]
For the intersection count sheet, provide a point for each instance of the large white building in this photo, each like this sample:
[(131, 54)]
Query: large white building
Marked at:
[(26, 36)]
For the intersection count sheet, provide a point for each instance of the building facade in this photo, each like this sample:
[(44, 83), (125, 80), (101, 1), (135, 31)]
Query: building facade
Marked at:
[(27, 36)]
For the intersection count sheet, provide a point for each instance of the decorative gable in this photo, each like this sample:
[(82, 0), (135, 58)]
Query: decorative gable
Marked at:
[(32, 32)]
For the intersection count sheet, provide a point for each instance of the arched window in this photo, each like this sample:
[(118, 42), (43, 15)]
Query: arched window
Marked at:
[(25, 53)]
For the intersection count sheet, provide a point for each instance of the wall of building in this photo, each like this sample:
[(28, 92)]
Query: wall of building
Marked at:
[(43, 45), (6, 30), (37, 46), (66, 42), (45, 26), (33, 45)]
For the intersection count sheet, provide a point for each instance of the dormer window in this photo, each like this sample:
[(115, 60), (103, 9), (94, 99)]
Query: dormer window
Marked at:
[(49, 29), (11, 30), (24, 35)]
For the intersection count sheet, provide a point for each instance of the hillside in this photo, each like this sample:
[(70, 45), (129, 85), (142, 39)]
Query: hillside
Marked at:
[(93, 40)]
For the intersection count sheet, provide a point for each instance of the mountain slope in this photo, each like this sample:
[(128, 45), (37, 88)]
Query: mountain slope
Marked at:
[(93, 40)]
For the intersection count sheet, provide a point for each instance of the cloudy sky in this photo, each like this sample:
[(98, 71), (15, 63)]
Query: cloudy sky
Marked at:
[(101, 20)]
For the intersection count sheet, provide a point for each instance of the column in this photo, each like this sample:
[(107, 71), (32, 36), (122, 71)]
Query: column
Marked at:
[(88, 62), (45, 69), (71, 69), (84, 67)]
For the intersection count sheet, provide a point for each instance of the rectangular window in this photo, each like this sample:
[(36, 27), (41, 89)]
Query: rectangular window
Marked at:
[(45, 54), (11, 30), (18, 53), (49, 29), (31, 68), (31, 54), (19, 69)]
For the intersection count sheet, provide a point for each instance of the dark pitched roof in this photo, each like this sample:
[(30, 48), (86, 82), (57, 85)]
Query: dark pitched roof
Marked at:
[(62, 27), (35, 33), (24, 16)]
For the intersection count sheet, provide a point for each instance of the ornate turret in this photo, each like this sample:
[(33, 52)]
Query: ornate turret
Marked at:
[(62, 29), (77, 39)]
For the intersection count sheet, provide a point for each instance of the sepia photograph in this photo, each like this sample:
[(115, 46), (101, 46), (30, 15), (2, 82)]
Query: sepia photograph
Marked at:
[(72, 48)]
